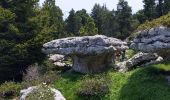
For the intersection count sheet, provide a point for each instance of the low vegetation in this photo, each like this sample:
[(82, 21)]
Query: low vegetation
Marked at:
[(164, 20), (9, 90), (147, 83), (41, 93)]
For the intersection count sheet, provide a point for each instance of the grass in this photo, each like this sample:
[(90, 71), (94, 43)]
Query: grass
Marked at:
[(147, 83), (163, 20)]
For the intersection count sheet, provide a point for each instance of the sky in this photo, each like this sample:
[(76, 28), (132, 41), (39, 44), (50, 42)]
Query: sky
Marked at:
[(67, 5)]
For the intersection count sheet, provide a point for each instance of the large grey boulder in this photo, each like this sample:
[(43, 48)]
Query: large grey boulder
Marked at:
[(89, 53), (25, 92), (155, 40), (139, 59)]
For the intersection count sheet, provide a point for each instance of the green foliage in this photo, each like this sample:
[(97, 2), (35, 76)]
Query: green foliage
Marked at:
[(80, 23), (89, 28), (118, 24), (93, 87), (149, 9), (50, 21), (49, 77), (43, 92), (130, 53), (9, 89), (24, 28), (124, 19), (164, 20), (146, 83), (140, 16)]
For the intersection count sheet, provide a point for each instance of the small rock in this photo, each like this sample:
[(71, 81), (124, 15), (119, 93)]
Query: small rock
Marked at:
[(25, 92), (138, 59)]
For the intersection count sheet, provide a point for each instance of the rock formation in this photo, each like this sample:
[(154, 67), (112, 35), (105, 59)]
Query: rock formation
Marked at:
[(90, 54), (25, 92), (57, 60), (140, 59), (155, 40)]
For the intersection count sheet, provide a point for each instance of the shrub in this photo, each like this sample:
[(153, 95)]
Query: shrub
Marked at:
[(130, 53), (93, 87), (49, 78), (9, 89), (43, 92), (32, 73), (164, 20)]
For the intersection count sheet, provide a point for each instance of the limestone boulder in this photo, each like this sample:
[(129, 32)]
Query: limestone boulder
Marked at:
[(25, 92), (56, 58), (155, 40), (90, 54), (139, 59)]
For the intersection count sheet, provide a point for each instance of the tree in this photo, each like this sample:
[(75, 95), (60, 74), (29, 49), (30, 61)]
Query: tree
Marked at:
[(89, 28), (166, 6), (96, 14), (70, 23), (159, 8), (50, 22), (150, 9), (79, 23), (17, 33), (124, 19), (140, 16)]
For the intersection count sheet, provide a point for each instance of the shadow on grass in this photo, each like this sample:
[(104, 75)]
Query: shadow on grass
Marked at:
[(72, 75), (146, 84)]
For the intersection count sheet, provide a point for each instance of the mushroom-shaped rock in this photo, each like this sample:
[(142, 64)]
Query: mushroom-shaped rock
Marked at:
[(90, 54), (155, 40)]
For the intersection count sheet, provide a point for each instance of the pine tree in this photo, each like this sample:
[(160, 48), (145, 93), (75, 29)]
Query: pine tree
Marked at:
[(166, 6), (17, 51), (89, 28), (96, 14), (124, 19), (150, 9), (50, 21)]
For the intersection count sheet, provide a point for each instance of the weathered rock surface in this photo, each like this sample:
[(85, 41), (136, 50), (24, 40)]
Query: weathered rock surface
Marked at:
[(25, 92), (59, 61), (89, 53), (138, 59), (56, 58), (155, 40)]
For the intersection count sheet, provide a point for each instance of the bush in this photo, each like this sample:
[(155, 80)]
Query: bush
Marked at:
[(41, 93), (93, 87), (49, 78), (32, 73), (130, 53), (9, 89), (164, 20)]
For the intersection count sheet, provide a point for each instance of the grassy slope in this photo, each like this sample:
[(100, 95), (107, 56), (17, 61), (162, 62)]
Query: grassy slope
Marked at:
[(163, 20), (147, 83)]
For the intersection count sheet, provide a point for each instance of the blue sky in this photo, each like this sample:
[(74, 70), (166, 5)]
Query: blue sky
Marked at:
[(67, 5)]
